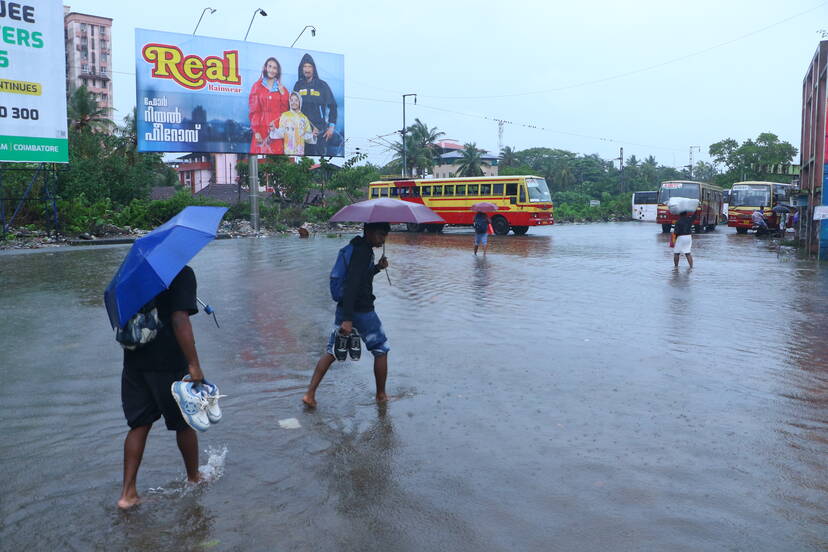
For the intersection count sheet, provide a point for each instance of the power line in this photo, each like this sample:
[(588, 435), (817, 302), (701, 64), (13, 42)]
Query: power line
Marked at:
[(634, 71)]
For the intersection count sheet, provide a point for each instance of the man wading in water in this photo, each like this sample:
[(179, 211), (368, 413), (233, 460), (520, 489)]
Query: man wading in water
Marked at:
[(355, 310)]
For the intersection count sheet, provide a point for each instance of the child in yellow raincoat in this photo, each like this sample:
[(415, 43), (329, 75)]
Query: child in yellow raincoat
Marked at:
[(296, 128)]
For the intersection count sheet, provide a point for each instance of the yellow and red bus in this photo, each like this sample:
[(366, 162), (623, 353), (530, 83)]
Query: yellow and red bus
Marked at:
[(746, 197), (522, 201), (707, 215)]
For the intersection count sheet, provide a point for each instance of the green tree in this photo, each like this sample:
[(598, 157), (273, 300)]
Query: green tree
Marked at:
[(508, 157), (84, 113), (421, 148), (752, 159), (470, 164)]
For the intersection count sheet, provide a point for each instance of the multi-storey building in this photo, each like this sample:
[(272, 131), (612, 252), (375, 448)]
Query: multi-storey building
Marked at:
[(89, 54), (814, 148)]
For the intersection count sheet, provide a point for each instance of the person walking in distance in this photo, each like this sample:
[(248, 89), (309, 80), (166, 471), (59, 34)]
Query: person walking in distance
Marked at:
[(684, 240), (481, 231)]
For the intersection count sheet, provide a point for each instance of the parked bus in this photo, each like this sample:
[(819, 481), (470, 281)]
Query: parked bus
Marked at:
[(522, 201), (645, 206), (746, 197), (707, 215), (725, 203)]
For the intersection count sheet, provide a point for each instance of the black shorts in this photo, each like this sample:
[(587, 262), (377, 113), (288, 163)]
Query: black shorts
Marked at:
[(146, 396)]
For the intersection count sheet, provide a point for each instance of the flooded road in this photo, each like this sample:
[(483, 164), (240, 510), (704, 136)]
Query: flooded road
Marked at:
[(571, 391)]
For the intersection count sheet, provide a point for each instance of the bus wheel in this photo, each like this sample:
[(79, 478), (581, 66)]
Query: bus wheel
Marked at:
[(520, 230), (698, 228), (435, 228), (500, 225), (741, 230), (665, 228), (413, 227), (711, 227)]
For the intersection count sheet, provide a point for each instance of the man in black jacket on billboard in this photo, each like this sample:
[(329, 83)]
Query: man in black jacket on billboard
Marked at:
[(319, 106)]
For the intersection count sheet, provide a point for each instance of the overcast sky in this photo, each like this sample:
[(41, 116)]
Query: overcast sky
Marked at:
[(653, 77)]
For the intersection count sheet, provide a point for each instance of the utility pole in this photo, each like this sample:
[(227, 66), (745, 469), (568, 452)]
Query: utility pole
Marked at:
[(253, 159), (500, 124), (620, 160), (402, 133), (690, 166)]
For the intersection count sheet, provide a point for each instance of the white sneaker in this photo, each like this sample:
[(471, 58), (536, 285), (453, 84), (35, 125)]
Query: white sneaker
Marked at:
[(192, 404), (210, 392)]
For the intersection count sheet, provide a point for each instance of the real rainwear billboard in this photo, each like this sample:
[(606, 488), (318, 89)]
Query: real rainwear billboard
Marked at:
[(32, 82), (200, 94)]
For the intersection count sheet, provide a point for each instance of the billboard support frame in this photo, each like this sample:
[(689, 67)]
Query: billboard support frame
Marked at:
[(49, 195)]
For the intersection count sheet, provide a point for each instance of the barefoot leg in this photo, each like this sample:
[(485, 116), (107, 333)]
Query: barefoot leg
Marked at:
[(318, 373), (380, 375), (187, 440), (134, 445)]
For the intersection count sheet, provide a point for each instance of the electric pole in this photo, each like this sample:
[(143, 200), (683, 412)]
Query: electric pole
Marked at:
[(690, 166)]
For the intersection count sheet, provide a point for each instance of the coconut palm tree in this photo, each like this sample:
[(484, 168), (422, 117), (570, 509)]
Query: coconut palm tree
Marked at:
[(470, 164), (421, 147), (84, 113), (508, 157)]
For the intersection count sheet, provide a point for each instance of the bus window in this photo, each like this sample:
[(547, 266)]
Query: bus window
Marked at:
[(473, 189), (425, 191), (511, 189), (522, 198), (485, 189), (460, 190), (449, 190), (383, 192), (437, 191), (497, 189), (395, 191), (375, 192)]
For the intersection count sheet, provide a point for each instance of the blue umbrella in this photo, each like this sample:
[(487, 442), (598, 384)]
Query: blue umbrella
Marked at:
[(157, 258)]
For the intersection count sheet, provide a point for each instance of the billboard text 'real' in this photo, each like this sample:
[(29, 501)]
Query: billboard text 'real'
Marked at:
[(191, 71)]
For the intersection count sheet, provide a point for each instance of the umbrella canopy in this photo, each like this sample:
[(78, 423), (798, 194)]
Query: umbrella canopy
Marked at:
[(780, 209), (386, 209), (484, 207), (156, 259)]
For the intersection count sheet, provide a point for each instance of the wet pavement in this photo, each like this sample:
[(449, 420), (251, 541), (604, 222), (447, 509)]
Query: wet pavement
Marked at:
[(571, 391)]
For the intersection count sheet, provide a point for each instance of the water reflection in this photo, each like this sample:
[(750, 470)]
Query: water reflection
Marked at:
[(574, 386)]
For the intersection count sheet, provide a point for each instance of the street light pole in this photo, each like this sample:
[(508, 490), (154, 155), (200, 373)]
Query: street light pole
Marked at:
[(402, 132), (313, 33), (212, 11), (253, 159)]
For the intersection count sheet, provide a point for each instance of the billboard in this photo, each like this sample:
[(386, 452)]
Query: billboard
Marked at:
[(33, 82), (200, 94)]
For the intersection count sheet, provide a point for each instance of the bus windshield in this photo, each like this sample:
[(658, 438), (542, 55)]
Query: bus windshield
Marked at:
[(645, 198), (538, 191), (750, 195), (677, 189)]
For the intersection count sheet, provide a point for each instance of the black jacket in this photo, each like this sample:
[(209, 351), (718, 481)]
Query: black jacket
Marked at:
[(318, 102), (359, 281)]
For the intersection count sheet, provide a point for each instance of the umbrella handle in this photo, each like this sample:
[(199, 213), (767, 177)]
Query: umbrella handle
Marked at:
[(386, 268)]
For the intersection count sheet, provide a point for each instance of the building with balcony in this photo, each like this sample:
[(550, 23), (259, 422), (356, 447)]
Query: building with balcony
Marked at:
[(89, 55)]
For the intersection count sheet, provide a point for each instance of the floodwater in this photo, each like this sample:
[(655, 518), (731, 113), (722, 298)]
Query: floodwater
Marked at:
[(571, 391)]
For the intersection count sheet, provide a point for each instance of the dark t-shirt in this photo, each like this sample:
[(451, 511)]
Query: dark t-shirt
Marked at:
[(481, 221), (163, 354), (358, 295), (684, 226)]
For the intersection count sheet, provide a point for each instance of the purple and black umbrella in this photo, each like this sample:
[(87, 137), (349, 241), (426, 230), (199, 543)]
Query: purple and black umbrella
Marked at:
[(388, 210)]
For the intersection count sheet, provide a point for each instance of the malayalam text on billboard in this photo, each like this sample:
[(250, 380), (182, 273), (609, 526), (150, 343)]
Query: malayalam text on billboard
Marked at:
[(200, 94), (32, 82)]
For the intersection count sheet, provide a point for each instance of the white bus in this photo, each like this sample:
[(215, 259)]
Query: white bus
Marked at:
[(645, 206)]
